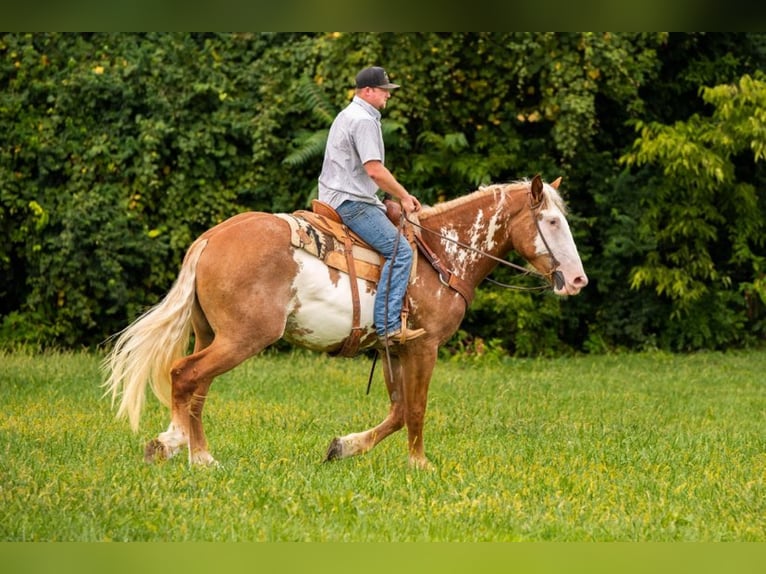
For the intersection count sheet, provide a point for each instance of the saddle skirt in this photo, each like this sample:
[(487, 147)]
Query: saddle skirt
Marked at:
[(330, 241)]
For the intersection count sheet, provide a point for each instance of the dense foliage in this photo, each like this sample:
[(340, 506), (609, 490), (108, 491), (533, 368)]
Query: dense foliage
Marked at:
[(116, 150)]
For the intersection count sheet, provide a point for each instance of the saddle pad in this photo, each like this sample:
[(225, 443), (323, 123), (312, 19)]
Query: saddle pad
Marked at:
[(331, 248)]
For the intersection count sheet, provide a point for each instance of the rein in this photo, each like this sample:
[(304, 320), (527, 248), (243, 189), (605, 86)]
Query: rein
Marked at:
[(555, 274)]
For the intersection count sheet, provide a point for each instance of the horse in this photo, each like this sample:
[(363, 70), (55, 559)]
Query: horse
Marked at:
[(243, 286)]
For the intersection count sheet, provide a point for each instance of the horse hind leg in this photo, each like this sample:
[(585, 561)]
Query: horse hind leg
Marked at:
[(185, 423), (175, 438), (166, 445), (191, 378)]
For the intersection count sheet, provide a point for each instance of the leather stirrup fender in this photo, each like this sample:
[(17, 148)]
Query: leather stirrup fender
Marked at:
[(351, 343)]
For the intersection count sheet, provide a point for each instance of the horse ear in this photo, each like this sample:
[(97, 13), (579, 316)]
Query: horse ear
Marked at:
[(536, 189), (556, 182)]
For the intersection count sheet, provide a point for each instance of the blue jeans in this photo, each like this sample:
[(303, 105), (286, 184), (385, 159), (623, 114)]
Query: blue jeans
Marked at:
[(371, 224)]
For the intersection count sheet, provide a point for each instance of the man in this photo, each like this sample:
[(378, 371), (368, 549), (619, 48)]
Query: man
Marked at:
[(352, 172)]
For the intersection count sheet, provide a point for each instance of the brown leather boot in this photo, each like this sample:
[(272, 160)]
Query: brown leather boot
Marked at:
[(401, 336)]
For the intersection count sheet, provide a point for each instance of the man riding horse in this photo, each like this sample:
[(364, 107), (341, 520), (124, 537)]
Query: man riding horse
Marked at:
[(352, 172)]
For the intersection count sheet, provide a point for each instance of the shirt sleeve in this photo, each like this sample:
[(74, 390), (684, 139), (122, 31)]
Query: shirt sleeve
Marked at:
[(368, 140)]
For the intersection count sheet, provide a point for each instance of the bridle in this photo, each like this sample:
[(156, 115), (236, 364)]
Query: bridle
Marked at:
[(555, 276)]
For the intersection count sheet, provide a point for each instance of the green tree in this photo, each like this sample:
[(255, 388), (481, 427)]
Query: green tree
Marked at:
[(117, 150), (703, 223), (614, 210)]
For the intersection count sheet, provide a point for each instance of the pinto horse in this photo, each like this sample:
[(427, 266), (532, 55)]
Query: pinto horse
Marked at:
[(243, 286)]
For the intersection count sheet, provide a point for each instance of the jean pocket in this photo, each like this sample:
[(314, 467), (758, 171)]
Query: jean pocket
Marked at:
[(351, 210)]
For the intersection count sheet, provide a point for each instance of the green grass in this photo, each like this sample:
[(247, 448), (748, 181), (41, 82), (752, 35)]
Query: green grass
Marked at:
[(648, 447)]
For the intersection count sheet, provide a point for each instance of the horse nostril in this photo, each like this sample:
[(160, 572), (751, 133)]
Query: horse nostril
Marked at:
[(558, 280), (580, 281)]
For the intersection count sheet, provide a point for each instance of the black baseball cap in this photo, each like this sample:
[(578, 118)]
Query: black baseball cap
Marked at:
[(374, 77)]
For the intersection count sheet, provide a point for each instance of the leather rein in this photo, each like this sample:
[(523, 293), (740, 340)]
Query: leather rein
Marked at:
[(448, 279)]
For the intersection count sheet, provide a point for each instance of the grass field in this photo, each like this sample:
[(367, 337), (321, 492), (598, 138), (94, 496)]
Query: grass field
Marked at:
[(649, 447)]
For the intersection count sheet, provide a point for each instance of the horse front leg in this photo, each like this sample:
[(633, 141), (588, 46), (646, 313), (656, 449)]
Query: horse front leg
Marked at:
[(417, 367), (362, 442)]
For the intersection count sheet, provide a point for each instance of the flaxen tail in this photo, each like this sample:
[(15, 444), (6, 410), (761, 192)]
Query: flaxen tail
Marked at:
[(144, 352)]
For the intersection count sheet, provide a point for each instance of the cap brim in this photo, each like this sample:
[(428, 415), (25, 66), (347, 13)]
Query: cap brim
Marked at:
[(389, 86)]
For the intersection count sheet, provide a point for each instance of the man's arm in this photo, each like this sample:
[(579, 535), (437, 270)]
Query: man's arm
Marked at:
[(386, 181)]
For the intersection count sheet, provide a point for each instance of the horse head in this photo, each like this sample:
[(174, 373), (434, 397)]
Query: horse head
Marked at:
[(552, 250)]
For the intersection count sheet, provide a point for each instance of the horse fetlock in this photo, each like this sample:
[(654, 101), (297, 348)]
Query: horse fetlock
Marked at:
[(351, 445), (166, 445)]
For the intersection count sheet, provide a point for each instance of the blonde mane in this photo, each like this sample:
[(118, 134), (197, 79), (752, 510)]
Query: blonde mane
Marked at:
[(550, 193)]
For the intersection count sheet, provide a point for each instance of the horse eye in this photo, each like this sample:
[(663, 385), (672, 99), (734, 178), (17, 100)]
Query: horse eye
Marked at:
[(553, 221)]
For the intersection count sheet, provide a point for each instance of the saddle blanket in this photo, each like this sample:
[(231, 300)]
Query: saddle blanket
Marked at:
[(328, 241)]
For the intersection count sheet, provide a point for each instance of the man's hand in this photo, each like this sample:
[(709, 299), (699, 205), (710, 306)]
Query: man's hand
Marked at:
[(410, 204)]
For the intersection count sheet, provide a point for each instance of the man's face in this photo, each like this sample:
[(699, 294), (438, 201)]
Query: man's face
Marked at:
[(377, 97)]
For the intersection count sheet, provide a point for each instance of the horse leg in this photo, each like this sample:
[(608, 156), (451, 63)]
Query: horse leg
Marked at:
[(243, 292), (360, 443), (198, 449), (185, 429), (417, 368), (191, 379), (170, 442), (166, 445)]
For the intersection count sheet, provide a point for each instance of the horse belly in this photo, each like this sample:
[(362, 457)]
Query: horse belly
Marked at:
[(321, 309)]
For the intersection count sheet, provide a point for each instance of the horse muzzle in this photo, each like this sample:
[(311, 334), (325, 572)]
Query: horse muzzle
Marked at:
[(563, 287)]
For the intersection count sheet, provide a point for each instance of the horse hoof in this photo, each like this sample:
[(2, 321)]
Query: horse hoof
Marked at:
[(155, 451), (204, 458), (335, 450), (421, 464)]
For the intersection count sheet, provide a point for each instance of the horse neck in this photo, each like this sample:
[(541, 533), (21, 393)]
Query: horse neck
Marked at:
[(482, 220)]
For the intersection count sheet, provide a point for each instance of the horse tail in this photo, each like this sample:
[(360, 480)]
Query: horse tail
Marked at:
[(145, 351)]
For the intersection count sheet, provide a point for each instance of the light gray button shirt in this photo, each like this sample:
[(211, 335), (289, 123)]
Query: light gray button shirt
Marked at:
[(355, 138)]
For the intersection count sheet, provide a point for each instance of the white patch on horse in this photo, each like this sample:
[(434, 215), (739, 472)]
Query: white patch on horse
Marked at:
[(455, 252), (479, 238), (493, 226), (555, 228), (464, 258), (320, 314)]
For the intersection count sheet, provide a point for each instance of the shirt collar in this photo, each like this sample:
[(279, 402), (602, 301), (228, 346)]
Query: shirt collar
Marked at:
[(369, 108)]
